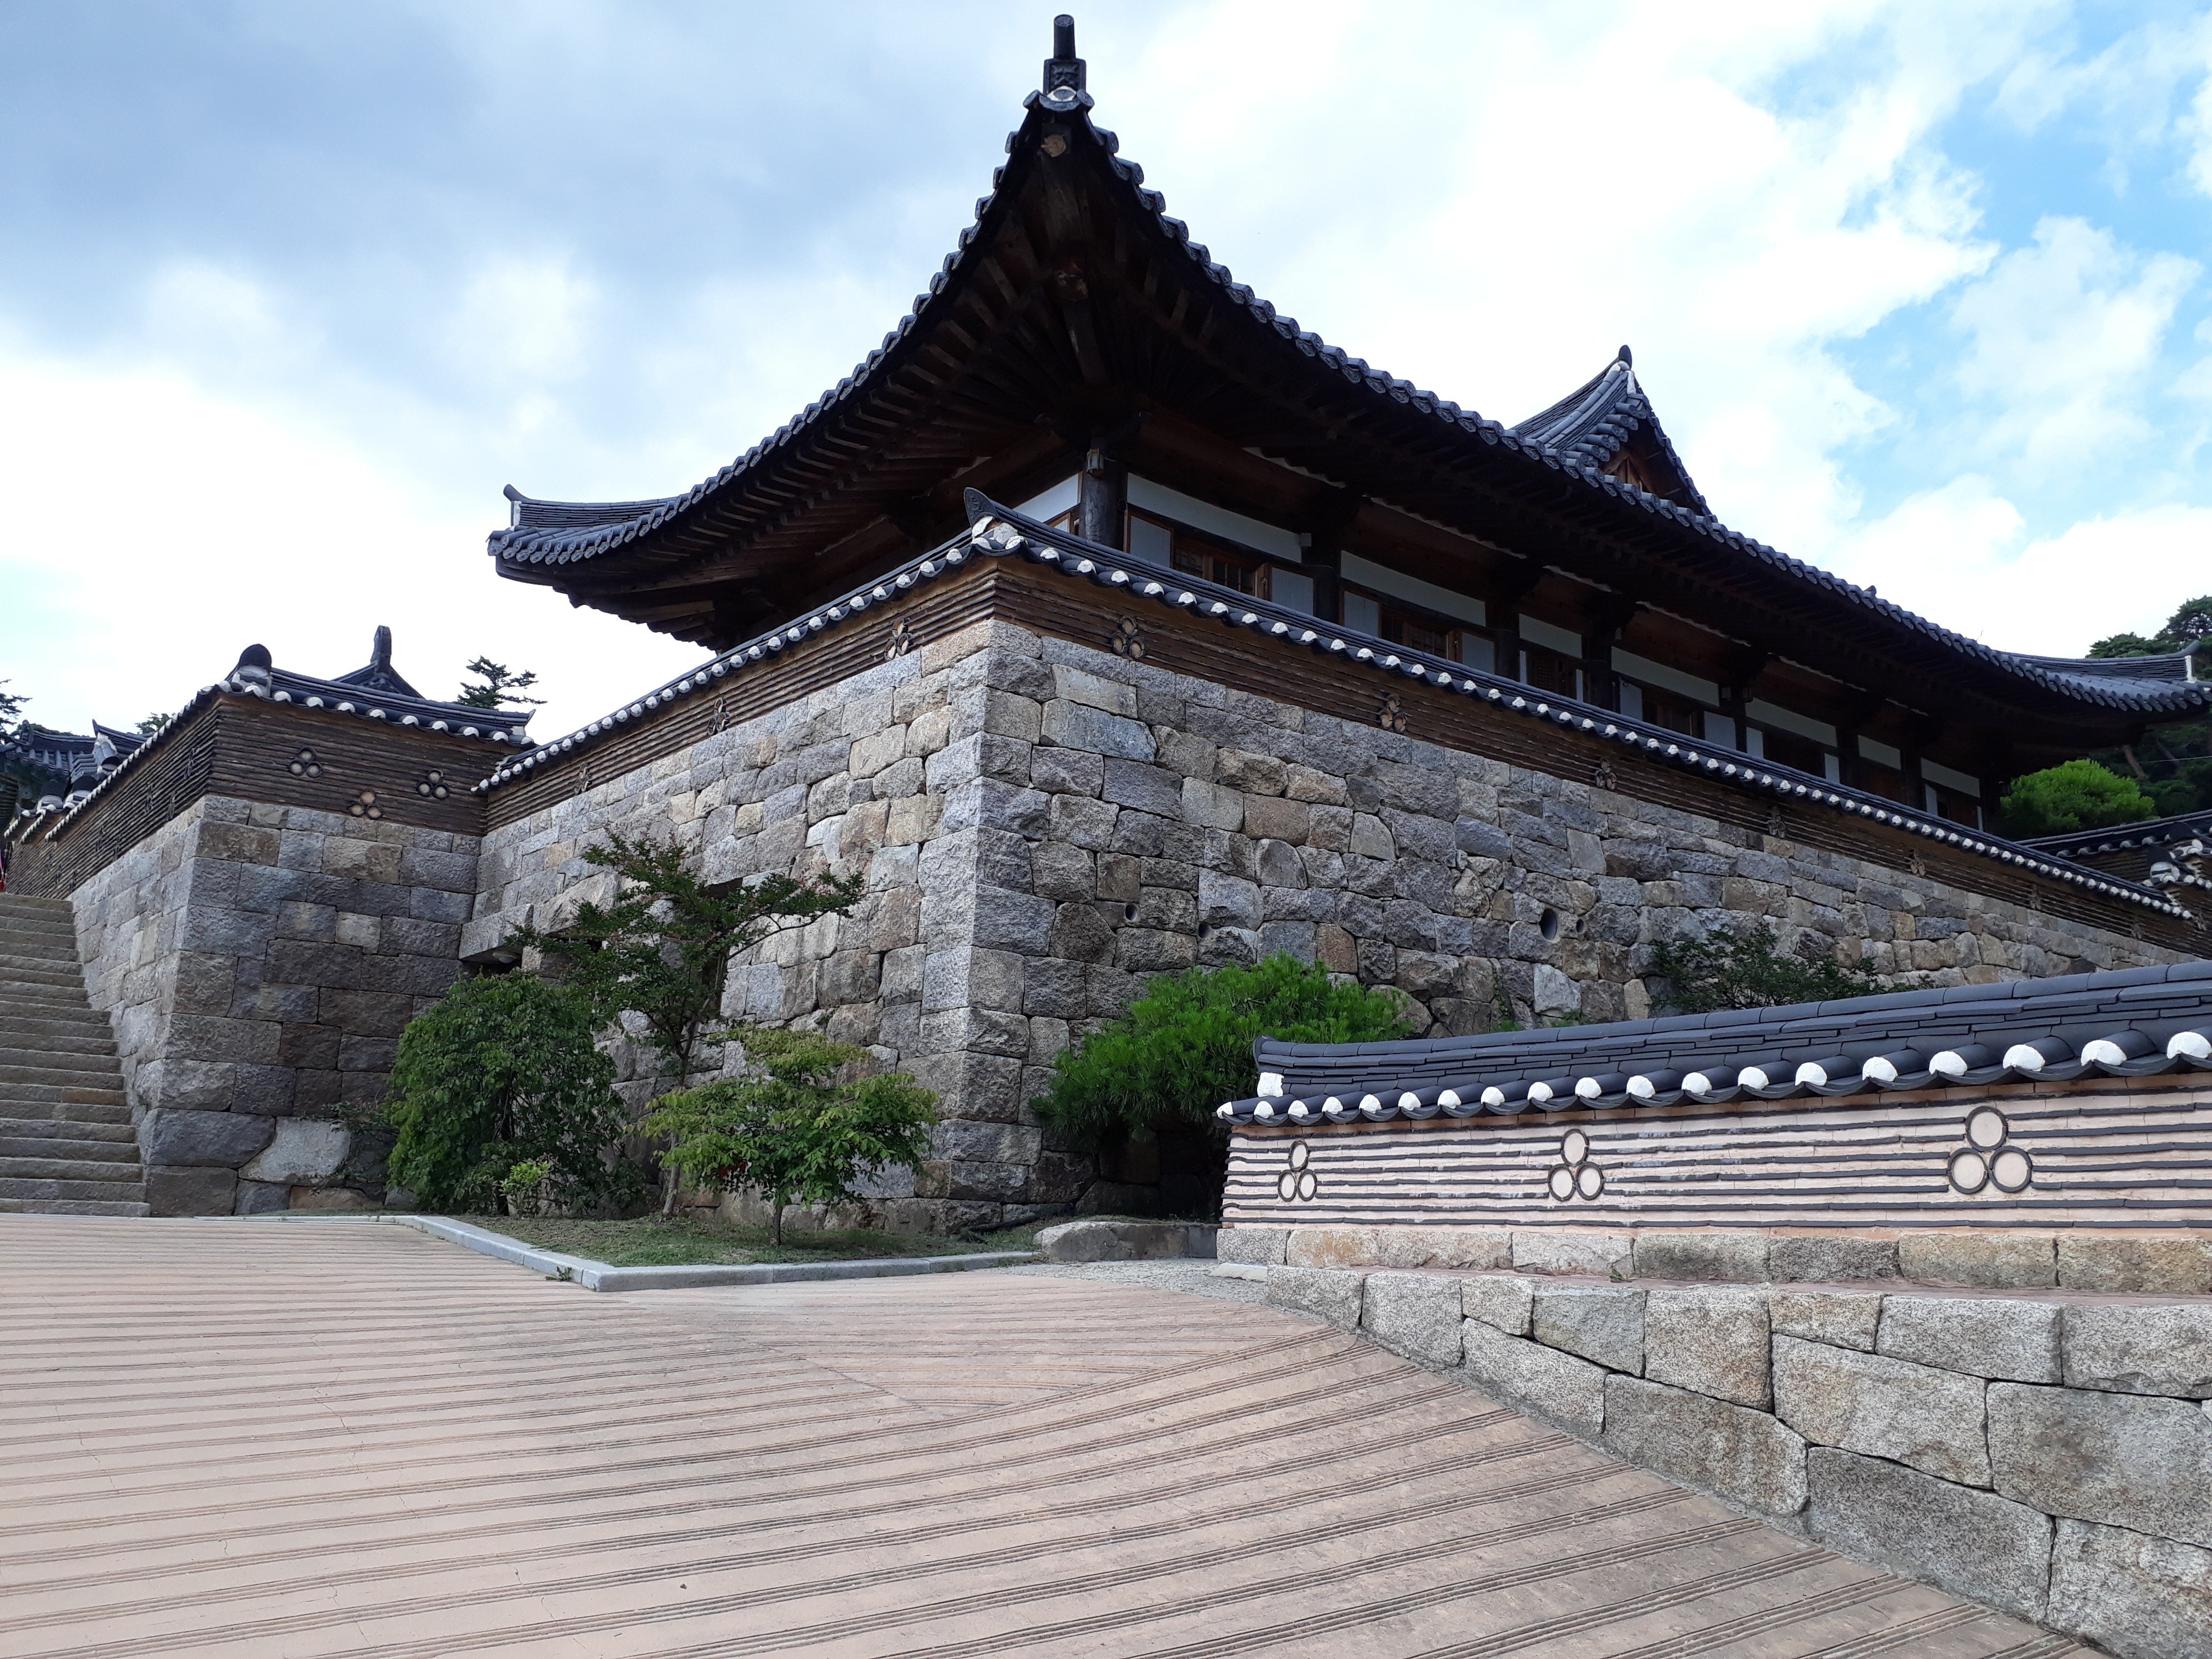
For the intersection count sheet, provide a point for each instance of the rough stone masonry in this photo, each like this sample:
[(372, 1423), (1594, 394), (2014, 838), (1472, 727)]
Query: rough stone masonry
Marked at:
[(1043, 825)]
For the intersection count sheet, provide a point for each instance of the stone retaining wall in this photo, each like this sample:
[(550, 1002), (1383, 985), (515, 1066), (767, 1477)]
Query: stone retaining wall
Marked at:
[(2048, 1452), (257, 964), (1043, 823)]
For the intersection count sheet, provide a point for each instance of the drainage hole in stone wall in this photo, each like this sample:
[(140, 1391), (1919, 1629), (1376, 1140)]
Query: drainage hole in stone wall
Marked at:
[(1128, 912), (1549, 927)]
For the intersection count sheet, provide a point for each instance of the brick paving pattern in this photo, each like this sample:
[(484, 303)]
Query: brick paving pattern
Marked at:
[(257, 1439)]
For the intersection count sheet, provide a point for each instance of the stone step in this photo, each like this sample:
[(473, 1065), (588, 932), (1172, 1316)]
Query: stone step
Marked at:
[(59, 1058), (72, 1207), (59, 1076), (54, 1130), (16, 945), (44, 1189), (38, 1099), (17, 975), (53, 1037), (50, 1002), (22, 1166)]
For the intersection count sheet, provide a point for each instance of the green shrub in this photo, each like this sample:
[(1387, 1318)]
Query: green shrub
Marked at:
[(2078, 795), (502, 1073), (1185, 1046), (789, 1129), (1740, 968)]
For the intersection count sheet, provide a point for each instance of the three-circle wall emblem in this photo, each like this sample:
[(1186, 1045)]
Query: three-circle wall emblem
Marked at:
[(1298, 1182), (1990, 1159), (1575, 1175)]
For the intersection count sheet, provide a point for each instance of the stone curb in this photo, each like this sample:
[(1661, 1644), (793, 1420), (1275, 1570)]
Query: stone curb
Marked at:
[(599, 1276)]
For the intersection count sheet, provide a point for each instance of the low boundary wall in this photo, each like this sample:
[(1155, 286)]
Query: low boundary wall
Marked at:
[(2034, 1435)]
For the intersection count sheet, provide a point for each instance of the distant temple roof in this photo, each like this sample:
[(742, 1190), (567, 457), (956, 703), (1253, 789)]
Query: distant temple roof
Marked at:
[(2146, 834), (1608, 424), (1075, 299)]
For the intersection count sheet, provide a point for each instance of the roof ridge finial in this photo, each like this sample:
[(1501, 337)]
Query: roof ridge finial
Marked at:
[(1627, 358), (1063, 68), (380, 650)]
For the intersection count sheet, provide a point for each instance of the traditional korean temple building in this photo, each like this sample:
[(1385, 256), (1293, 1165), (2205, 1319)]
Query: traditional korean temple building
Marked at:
[(1112, 624)]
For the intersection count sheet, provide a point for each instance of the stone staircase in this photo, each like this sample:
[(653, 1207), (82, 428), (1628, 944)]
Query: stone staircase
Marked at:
[(67, 1146)]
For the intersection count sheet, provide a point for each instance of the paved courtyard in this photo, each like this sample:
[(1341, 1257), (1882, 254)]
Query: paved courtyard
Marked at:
[(255, 1439)]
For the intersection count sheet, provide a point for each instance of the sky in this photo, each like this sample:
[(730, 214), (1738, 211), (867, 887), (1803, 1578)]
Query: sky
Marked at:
[(287, 293)]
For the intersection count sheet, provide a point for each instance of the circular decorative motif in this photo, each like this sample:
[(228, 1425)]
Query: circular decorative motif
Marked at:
[(1589, 1180), (1989, 1160), (433, 784), (1298, 1182), (1576, 1147), (1970, 1170), (1561, 1182), (1574, 1175), (364, 805), (304, 765)]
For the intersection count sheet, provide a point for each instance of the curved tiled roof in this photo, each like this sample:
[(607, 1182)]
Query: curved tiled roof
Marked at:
[(2124, 837), (565, 533), (997, 531), (1592, 423), (2133, 1023)]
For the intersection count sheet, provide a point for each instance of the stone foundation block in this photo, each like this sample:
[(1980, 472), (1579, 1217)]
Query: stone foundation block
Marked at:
[(2159, 1267), (1712, 1342), (1744, 1455), (1555, 1387), (2116, 1459), (201, 1191), (1326, 1293), (1508, 1304), (1416, 1315), (2139, 1350), (1125, 1241), (212, 1139), (1598, 1321), (2139, 1597), (1993, 1261), (1883, 1407), (1974, 1543), (1334, 1247), (301, 1151), (2015, 1341), (1606, 1256), (1829, 1260), (1839, 1318), (1258, 1247), (1738, 1258), (260, 1198), (1444, 1247)]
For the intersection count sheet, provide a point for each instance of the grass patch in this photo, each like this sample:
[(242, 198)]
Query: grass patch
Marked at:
[(684, 1241)]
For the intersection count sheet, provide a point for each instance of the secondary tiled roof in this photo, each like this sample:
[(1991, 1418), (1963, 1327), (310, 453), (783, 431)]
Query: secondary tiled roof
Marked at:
[(1595, 421), (2124, 837), (997, 531), (256, 677), (2133, 1023)]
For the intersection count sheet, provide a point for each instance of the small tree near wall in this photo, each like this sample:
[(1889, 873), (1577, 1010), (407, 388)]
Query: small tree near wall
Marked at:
[(790, 1128), (504, 1073), (662, 949)]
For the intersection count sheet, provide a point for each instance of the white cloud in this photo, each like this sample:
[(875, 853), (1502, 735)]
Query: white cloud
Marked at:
[(2061, 334), (155, 529), (1961, 556)]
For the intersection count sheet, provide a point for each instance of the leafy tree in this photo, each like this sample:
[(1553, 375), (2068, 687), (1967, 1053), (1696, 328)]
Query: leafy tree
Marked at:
[(2192, 621), (153, 723), (503, 1073), (1740, 968), (789, 1128), (1185, 1046), (2079, 795), (662, 949), (2127, 645), (11, 711), (497, 686)]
